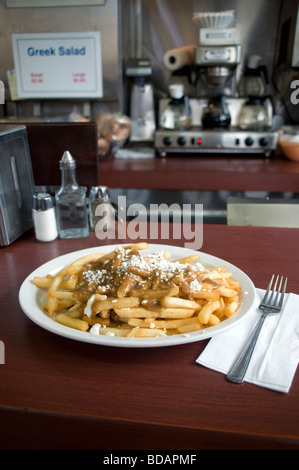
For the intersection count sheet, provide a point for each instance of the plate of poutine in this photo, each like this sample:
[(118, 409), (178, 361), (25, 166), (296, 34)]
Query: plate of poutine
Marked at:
[(137, 295)]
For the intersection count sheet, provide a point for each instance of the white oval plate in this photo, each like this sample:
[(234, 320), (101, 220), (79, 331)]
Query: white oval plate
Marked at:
[(32, 298)]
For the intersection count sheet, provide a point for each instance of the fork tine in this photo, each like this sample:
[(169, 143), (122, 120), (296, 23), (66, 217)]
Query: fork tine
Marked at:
[(278, 290), (268, 290), (273, 291), (283, 292)]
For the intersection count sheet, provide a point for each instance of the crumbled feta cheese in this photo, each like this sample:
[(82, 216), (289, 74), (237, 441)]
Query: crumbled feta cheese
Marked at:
[(199, 267), (87, 310), (95, 329), (195, 286), (154, 264), (103, 278)]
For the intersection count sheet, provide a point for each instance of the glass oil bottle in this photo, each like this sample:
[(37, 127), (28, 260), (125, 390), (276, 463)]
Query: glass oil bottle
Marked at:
[(72, 214)]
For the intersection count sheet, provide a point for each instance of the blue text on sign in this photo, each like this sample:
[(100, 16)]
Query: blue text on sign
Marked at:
[(51, 51)]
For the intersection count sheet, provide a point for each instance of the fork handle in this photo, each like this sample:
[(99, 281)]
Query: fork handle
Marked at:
[(237, 372)]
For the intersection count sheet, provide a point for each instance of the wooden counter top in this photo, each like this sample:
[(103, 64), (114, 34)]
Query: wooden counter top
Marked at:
[(202, 172), (57, 393)]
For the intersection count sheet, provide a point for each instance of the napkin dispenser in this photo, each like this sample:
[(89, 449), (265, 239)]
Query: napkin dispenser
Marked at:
[(16, 183)]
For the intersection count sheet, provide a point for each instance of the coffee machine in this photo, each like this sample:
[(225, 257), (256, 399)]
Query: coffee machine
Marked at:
[(218, 54), (216, 60), (216, 104)]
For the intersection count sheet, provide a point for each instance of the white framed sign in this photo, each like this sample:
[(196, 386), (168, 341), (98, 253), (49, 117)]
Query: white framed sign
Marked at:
[(58, 65), (51, 3)]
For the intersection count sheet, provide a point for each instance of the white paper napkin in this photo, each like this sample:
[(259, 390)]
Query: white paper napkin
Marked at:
[(276, 354)]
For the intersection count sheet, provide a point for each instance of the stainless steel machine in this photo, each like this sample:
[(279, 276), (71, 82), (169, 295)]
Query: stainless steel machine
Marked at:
[(142, 100), (199, 141), (217, 106)]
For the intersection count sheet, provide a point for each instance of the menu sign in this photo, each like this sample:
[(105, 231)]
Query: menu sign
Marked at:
[(58, 65)]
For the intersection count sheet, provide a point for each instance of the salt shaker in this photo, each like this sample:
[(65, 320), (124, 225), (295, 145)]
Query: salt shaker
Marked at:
[(44, 217), (100, 195)]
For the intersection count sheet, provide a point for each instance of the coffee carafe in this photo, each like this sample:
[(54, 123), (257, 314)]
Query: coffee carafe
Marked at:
[(254, 114), (177, 114), (216, 114), (254, 79), (257, 111)]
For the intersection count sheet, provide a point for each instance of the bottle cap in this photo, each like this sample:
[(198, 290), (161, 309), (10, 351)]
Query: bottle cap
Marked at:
[(67, 161), (99, 193), (42, 201)]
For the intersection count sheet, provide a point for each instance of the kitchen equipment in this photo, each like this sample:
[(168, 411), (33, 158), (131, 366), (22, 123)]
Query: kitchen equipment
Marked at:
[(142, 112), (215, 27), (217, 54), (200, 141), (257, 111), (177, 114), (217, 65), (216, 106), (16, 183), (254, 79), (254, 115), (216, 114)]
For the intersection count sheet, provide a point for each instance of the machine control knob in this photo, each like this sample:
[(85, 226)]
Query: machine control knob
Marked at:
[(182, 140), (167, 140), (249, 141), (263, 141)]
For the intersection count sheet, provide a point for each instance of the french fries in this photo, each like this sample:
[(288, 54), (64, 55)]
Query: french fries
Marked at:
[(138, 295), (72, 322)]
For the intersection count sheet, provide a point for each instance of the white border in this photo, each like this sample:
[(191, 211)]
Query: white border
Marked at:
[(59, 65)]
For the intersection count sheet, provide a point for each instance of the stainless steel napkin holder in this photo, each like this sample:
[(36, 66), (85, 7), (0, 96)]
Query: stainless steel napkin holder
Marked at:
[(16, 183)]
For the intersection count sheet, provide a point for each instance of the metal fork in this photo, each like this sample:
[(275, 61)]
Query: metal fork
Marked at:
[(268, 306)]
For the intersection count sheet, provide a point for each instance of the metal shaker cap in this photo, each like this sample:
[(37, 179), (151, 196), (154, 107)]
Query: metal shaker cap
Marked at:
[(42, 201), (99, 193), (67, 161)]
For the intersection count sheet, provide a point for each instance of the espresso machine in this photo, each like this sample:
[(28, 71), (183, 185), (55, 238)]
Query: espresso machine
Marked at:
[(216, 104)]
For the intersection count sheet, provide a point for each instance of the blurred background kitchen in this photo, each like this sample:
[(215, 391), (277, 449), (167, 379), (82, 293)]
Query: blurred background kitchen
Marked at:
[(178, 82)]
